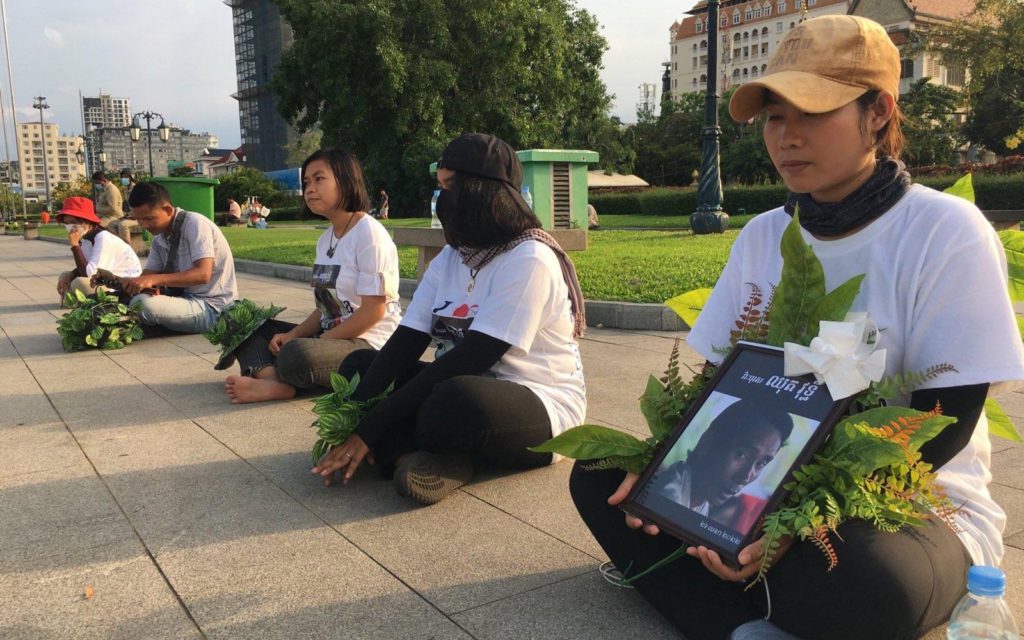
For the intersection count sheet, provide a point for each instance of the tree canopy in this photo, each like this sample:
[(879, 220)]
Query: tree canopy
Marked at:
[(988, 45), (395, 80)]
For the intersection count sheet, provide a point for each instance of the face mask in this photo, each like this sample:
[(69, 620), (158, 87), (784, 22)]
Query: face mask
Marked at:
[(124, 181)]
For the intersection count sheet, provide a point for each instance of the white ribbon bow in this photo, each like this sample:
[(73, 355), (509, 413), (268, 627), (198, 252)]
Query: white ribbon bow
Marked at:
[(840, 356)]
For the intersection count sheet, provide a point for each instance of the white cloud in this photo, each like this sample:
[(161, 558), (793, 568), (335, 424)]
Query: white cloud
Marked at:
[(53, 36)]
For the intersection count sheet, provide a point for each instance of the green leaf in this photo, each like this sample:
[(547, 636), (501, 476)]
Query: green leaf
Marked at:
[(689, 305), (319, 449), (1013, 246), (589, 442), (340, 384), (999, 424), (836, 303), (963, 188), (800, 289), (79, 296), (89, 340), (650, 407)]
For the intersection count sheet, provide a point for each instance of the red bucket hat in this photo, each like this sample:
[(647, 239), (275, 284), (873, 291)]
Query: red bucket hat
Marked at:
[(79, 207)]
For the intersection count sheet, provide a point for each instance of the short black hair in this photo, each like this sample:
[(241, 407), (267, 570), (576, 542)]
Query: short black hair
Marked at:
[(741, 417), (349, 175), (148, 194), (484, 213), (98, 175)]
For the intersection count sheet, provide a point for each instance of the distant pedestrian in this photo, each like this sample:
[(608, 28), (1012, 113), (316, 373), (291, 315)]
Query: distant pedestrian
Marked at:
[(109, 203), (382, 207), (123, 226), (45, 217)]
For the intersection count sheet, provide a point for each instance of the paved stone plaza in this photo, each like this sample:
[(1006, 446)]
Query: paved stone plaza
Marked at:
[(136, 502)]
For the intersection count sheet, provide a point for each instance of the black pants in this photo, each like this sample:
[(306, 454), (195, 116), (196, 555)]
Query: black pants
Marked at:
[(304, 363), (887, 585), (492, 420)]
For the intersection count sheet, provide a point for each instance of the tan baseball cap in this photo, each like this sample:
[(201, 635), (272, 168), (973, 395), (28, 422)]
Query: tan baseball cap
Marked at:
[(823, 64)]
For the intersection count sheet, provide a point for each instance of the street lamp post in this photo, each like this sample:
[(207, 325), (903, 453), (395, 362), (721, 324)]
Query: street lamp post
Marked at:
[(136, 132), (40, 103), (709, 216)]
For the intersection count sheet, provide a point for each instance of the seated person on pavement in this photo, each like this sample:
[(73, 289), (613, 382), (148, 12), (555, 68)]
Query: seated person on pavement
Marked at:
[(93, 248)]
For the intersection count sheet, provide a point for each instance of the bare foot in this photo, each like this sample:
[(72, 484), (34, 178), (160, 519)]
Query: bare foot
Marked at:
[(243, 389)]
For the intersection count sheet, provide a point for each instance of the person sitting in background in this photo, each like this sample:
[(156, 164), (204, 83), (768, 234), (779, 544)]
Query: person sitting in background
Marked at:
[(234, 214), (93, 248), (44, 217), (189, 262), (109, 202), (123, 226)]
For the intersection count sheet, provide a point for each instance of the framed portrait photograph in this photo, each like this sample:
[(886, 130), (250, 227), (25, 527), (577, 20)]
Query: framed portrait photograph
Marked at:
[(725, 464)]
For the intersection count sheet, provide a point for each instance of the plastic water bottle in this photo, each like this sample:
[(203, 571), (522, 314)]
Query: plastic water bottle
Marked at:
[(527, 196), (435, 222), (983, 613)]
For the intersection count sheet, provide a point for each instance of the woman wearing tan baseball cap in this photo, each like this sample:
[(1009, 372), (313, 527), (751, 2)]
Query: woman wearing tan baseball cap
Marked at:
[(935, 285)]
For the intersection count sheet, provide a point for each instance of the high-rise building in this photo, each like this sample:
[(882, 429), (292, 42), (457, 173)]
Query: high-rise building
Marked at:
[(261, 37), (106, 111), (42, 151)]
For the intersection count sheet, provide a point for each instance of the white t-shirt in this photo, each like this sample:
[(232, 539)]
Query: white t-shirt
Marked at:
[(519, 298), (935, 285), (107, 251), (365, 263)]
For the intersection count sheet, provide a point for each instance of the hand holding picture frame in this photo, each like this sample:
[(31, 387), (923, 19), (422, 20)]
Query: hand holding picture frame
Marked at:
[(725, 464)]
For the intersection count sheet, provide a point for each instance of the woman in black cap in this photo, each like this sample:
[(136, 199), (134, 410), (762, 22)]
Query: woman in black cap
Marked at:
[(503, 307)]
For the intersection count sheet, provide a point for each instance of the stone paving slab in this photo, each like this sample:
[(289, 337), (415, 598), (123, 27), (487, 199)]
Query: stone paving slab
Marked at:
[(192, 517)]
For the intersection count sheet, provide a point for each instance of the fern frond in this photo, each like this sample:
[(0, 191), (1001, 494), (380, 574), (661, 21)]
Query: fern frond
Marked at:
[(819, 538)]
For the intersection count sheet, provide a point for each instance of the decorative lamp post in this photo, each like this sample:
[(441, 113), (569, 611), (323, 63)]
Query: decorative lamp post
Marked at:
[(709, 217), (40, 103), (103, 161), (136, 132)]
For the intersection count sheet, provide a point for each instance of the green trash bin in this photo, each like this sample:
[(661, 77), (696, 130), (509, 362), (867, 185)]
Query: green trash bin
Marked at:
[(191, 194)]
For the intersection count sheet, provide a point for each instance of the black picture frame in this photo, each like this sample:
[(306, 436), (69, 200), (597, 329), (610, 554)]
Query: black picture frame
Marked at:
[(711, 481)]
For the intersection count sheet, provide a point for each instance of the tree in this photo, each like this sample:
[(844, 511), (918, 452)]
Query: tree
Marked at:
[(306, 143), (395, 80), (929, 126), (243, 183), (987, 43), (743, 156), (64, 190), (183, 171), (668, 147)]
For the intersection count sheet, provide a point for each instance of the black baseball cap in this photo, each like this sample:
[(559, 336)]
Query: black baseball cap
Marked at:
[(483, 155)]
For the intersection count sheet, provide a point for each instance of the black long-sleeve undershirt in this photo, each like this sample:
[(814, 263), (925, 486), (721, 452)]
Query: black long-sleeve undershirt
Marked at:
[(963, 403), (475, 355)]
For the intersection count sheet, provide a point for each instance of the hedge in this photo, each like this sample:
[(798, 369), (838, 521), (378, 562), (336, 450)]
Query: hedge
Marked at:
[(991, 192)]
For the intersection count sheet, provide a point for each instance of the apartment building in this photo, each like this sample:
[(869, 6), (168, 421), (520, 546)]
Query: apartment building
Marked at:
[(43, 151)]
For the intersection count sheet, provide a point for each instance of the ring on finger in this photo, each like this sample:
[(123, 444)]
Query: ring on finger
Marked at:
[(348, 454)]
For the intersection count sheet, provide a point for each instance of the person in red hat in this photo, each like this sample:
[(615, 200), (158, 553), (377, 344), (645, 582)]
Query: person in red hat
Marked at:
[(93, 248)]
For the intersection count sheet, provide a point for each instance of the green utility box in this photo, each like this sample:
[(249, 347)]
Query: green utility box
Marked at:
[(557, 179), (191, 194)]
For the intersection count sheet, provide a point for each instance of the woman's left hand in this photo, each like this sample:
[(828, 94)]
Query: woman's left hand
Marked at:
[(750, 558), (345, 458)]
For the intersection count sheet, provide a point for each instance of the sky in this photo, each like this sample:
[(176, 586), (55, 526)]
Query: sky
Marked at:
[(176, 57)]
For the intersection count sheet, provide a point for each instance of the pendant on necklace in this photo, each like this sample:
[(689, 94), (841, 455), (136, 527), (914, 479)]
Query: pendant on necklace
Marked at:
[(469, 287)]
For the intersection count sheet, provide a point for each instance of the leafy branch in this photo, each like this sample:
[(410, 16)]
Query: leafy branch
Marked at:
[(338, 414), (98, 321)]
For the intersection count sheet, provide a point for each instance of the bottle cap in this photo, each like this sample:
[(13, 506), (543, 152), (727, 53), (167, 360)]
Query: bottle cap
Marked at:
[(986, 581)]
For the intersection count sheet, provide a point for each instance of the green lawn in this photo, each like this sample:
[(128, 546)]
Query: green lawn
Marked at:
[(631, 266)]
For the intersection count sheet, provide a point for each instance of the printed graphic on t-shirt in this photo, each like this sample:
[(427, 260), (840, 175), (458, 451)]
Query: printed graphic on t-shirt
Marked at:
[(449, 324), (324, 283)]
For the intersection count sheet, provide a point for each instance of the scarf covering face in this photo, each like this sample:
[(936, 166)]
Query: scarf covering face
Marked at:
[(884, 188), (476, 259)]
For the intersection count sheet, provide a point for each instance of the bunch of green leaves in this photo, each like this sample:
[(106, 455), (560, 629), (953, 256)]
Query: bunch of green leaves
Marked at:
[(238, 322), (338, 414), (871, 469), (663, 403), (98, 321)]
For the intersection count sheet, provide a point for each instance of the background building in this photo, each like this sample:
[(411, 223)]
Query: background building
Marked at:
[(43, 150), (182, 147), (106, 111), (750, 32), (261, 37)]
